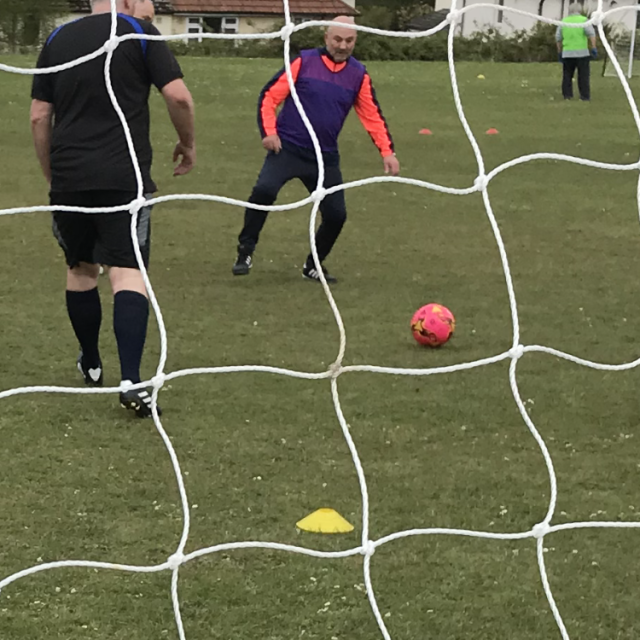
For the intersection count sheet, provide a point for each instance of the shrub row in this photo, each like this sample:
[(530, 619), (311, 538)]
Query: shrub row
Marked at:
[(536, 45)]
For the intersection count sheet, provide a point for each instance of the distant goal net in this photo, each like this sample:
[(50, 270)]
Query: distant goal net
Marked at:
[(625, 44)]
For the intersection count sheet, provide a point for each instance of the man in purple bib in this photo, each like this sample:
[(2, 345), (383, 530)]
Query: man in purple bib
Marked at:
[(329, 82)]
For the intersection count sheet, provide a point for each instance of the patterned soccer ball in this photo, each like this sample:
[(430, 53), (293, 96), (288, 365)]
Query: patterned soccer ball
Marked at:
[(432, 325)]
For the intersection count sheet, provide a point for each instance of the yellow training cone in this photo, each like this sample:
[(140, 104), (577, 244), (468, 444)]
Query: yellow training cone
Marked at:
[(324, 521)]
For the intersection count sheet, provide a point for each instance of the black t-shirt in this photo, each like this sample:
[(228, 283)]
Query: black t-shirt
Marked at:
[(88, 148)]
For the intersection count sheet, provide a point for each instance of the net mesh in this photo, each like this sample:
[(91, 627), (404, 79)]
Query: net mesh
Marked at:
[(481, 184), (627, 51)]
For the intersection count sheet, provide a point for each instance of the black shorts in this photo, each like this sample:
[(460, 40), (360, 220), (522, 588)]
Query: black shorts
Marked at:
[(100, 238)]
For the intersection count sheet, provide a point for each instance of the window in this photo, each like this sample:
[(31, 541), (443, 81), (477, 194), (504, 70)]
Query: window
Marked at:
[(194, 25), (215, 24), (230, 25), (501, 13)]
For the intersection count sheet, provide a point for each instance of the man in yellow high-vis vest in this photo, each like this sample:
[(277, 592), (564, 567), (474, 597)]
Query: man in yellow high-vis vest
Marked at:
[(575, 48)]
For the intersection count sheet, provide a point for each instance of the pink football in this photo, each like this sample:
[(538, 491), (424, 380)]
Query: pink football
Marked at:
[(432, 325)]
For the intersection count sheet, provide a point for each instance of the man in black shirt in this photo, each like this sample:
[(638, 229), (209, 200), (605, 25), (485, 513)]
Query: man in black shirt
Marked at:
[(81, 145)]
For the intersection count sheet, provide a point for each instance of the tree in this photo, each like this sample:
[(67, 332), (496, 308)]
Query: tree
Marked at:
[(393, 12), (407, 13), (26, 23), (377, 16)]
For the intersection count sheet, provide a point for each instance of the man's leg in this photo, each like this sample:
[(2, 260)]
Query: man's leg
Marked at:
[(76, 235), (130, 319), (85, 313), (334, 215), (568, 69), (130, 300), (277, 170), (584, 79)]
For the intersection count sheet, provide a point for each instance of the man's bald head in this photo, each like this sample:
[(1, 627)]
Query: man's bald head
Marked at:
[(339, 21), (340, 38), (126, 7)]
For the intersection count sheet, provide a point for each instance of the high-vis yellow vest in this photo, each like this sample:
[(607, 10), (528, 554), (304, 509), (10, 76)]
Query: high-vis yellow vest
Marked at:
[(574, 39)]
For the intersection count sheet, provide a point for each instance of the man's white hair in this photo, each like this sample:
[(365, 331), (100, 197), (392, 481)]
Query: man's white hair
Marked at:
[(575, 9)]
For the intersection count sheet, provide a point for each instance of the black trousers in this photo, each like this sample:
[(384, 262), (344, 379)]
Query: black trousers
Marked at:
[(280, 168), (569, 66)]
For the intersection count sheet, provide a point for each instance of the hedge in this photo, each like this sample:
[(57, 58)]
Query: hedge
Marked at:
[(536, 45)]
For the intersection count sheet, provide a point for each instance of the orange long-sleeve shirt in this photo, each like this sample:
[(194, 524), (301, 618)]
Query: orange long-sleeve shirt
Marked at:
[(366, 105)]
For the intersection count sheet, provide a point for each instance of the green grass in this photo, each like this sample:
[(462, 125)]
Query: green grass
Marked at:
[(79, 480)]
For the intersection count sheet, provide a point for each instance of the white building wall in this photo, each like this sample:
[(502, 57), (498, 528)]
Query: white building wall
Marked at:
[(483, 18), (164, 23)]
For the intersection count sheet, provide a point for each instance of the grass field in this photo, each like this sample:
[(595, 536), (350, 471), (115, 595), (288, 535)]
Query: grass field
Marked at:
[(80, 480)]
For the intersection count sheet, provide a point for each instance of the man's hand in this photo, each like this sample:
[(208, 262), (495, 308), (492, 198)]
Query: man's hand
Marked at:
[(181, 111), (272, 143), (391, 165), (594, 53), (187, 157), (560, 58)]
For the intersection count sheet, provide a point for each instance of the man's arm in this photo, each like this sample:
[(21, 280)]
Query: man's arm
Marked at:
[(166, 75), (590, 32), (271, 97), (559, 44), (41, 127), (182, 113), (42, 94), (373, 121)]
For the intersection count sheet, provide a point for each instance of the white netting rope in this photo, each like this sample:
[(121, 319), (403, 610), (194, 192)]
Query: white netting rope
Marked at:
[(481, 183)]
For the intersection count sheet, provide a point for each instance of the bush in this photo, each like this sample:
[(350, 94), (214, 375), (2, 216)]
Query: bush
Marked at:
[(377, 17), (536, 45)]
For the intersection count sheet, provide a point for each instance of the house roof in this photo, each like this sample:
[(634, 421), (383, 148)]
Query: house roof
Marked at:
[(254, 7), (265, 7), (84, 6)]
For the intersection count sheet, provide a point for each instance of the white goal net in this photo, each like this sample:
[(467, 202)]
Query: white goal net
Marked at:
[(367, 547), (622, 27), (627, 52)]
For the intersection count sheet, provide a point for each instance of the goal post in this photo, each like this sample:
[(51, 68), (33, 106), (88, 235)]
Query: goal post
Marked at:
[(624, 36)]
